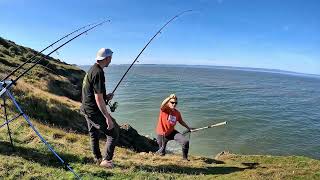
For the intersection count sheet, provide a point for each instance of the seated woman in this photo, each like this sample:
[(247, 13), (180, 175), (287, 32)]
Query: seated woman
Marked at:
[(168, 118)]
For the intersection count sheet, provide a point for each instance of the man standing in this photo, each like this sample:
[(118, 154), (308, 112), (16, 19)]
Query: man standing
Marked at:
[(94, 108)]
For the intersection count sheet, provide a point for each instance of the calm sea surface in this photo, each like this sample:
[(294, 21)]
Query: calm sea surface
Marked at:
[(267, 112)]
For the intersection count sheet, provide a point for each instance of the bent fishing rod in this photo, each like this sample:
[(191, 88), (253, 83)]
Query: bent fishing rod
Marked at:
[(114, 105), (35, 55), (8, 84), (206, 127)]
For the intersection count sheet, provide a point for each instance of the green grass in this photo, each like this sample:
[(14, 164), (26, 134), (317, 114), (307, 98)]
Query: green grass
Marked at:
[(50, 74), (31, 159)]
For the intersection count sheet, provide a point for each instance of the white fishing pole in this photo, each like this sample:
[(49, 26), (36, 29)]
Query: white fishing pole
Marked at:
[(206, 127)]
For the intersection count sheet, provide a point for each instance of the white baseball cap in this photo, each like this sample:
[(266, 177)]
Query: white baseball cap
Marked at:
[(103, 53)]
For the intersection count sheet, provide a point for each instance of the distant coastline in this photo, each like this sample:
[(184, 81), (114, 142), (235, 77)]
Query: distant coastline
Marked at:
[(274, 71)]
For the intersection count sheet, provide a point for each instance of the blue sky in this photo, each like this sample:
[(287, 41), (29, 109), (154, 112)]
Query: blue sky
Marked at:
[(269, 34)]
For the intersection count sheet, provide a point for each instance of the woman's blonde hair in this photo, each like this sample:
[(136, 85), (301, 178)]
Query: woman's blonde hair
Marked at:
[(166, 100)]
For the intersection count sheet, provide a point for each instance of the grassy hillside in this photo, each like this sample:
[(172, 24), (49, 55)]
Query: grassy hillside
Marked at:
[(51, 75), (32, 160), (50, 96), (49, 92)]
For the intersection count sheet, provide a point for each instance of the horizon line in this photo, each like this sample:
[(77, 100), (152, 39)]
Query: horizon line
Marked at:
[(224, 66)]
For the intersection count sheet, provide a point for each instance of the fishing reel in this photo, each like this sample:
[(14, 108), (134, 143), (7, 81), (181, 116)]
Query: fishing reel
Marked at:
[(113, 106)]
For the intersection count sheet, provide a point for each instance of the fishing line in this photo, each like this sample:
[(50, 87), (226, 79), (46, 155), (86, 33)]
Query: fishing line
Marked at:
[(114, 105), (38, 53), (5, 85)]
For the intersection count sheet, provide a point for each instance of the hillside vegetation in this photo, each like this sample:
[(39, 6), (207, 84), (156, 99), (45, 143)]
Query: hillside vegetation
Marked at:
[(32, 160), (50, 91), (50, 96)]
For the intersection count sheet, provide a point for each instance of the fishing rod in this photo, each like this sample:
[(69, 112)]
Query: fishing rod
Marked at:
[(206, 127), (8, 85), (115, 104), (31, 58)]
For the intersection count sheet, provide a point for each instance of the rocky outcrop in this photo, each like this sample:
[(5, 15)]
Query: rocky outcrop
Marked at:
[(131, 139)]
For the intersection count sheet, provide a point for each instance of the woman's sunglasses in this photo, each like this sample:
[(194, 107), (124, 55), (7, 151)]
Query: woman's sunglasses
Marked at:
[(173, 102)]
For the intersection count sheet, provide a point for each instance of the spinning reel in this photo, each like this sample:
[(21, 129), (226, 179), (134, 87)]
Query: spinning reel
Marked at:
[(113, 106)]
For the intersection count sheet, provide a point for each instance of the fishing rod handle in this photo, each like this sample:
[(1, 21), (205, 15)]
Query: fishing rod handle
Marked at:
[(214, 125), (218, 124)]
